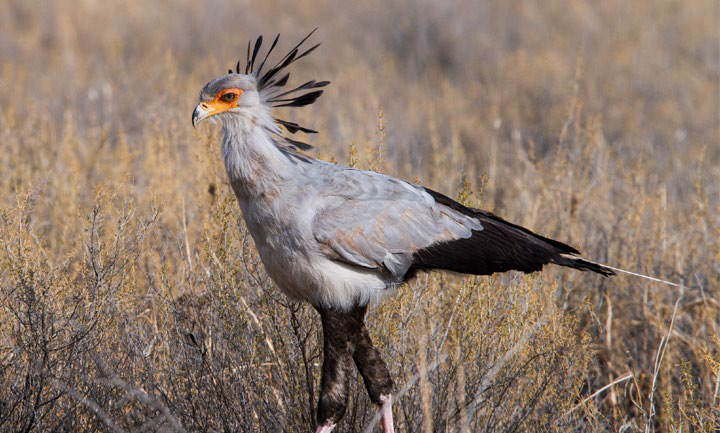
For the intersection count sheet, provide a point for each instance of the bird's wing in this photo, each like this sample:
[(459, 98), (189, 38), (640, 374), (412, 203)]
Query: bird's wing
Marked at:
[(379, 222)]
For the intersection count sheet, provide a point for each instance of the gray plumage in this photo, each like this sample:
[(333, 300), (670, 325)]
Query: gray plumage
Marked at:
[(378, 222), (340, 238)]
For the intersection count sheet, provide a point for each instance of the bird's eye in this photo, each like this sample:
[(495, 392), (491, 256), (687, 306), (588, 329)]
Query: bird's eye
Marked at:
[(228, 97)]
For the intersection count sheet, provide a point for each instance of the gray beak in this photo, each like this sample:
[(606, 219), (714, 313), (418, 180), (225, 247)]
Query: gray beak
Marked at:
[(199, 114)]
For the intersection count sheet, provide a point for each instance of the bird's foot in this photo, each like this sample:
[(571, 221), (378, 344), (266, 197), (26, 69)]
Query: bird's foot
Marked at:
[(327, 427), (386, 414)]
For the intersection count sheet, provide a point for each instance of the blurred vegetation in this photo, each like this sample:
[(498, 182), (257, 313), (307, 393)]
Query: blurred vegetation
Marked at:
[(131, 297)]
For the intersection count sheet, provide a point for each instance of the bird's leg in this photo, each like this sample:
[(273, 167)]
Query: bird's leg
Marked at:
[(375, 374), (340, 329)]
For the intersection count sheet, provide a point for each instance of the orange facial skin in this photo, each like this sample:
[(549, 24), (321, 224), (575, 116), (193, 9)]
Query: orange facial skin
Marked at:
[(224, 101)]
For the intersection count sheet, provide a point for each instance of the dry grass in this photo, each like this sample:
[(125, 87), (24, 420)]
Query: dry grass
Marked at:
[(131, 298)]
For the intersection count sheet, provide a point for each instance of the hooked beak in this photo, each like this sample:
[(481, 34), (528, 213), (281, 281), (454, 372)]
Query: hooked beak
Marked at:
[(202, 111)]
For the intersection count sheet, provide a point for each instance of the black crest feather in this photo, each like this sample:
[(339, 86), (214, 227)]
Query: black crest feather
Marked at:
[(258, 43), (299, 144), (272, 47), (300, 101), (293, 127), (247, 59), (309, 85), (271, 87)]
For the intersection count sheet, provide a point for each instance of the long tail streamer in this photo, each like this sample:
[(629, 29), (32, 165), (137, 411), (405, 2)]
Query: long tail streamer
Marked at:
[(647, 277)]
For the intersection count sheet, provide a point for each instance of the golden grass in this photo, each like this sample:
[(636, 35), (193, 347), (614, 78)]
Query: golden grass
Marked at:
[(131, 296)]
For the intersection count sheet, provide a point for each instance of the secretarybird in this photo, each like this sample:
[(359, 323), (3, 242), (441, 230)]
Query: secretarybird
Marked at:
[(340, 238)]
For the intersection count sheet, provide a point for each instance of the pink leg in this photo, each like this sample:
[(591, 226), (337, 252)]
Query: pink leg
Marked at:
[(325, 428), (386, 414)]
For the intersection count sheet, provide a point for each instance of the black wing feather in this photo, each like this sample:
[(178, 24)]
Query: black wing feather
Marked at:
[(500, 246)]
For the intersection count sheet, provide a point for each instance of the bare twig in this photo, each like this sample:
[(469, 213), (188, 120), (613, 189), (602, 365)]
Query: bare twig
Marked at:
[(84, 400), (140, 395), (590, 397), (658, 362), (527, 335)]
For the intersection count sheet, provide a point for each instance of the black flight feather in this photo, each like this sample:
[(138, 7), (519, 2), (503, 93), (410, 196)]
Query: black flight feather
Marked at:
[(500, 246)]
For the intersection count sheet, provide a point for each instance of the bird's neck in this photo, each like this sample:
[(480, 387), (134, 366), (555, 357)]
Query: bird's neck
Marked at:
[(255, 166)]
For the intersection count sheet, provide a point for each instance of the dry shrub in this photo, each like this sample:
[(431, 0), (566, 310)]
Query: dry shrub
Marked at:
[(131, 297)]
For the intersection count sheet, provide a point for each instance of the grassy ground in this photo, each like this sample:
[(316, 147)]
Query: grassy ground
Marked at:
[(131, 297)]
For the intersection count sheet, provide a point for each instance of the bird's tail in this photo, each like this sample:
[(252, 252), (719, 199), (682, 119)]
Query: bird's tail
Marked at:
[(577, 262), (503, 246)]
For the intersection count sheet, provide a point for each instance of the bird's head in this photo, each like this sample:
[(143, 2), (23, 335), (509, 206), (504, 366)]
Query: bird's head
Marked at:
[(226, 95), (255, 88)]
